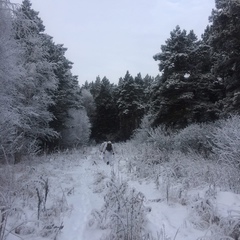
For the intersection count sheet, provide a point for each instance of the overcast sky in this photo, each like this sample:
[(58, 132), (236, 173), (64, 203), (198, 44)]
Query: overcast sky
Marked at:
[(109, 37)]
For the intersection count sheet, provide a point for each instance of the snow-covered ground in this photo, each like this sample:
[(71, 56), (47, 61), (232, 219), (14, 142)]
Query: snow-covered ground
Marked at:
[(72, 181)]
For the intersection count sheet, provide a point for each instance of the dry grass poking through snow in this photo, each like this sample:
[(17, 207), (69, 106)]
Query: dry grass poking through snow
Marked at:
[(176, 195), (33, 196), (194, 182)]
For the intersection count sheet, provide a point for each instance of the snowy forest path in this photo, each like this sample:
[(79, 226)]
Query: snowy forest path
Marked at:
[(82, 201), (89, 195)]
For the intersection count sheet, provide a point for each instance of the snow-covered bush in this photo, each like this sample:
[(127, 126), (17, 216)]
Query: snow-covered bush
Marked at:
[(123, 212), (222, 227), (144, 160), (174, 178), (141, 134), (77, 132), (11, 215), (88, 103), (29, 206), (229, 226), (149, 162), (226, 141), (203, 213), (194, 138), (161, 137)]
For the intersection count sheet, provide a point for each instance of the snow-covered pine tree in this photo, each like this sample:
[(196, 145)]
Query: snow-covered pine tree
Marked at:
[(224, 39), (67, 95), (95, 87), (130, 105), (148, 82), (175, 91), (10, 76), (105, 123), (187, 91), (38, 80)]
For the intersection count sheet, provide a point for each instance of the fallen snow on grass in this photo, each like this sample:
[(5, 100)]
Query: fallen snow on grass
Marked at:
[(80, 180)]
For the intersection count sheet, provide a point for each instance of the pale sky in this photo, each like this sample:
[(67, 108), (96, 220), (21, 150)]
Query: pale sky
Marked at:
[(109, 37)]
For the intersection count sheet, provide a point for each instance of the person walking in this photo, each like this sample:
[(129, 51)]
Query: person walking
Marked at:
[(107, 149)]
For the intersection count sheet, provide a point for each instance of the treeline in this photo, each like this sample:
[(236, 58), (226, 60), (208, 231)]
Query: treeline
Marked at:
[(199, 81), (116, 110), (44, 108), (41, 105)]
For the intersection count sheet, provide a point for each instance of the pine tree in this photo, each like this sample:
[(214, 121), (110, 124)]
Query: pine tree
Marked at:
[(95, 87), (67, 94), (175, 56), (224, 39), (186, 91), (148, 83), (174, 93), (105, 124), (10, 77), (130, 105), (39, 79)]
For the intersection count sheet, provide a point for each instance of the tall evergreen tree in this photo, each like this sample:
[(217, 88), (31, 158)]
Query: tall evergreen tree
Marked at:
[(11, 72), (50, 81), (105, 124), (148, 83), (186, 91), (175, 89), (130, 104), (139, 88), (175, 56), (67, 94), (95, 87), (38, 81), (224, 39)]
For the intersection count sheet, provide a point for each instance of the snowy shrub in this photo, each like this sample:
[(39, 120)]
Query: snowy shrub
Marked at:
[(88, 102), (226, 142), (203, 213), (144, 160), (169, 187), (230, 226), (77, 132), (7, 206), (195, 138), (28, 206), (13, 214), (205, 172), (141, 134), (128, 161), (123, 212), (182, 173), (161, 138), (188, 157), (225, 228)]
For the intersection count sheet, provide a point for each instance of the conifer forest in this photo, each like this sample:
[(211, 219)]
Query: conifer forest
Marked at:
[(179, 130), (44, 108)]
